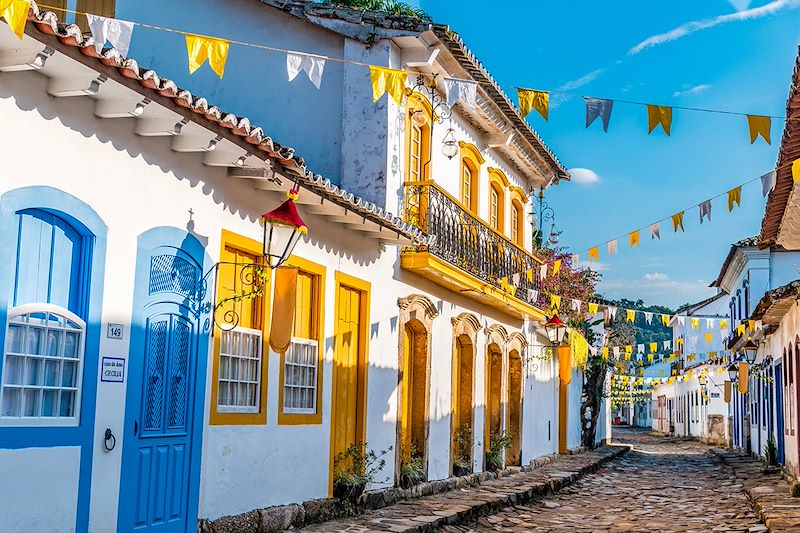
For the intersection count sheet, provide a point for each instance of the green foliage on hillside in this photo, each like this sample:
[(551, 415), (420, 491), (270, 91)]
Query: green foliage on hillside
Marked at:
[(640, 332), (387, 6)]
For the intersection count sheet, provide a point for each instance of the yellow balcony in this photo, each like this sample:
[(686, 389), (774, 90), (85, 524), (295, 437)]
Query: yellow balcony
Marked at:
[(467, 256)]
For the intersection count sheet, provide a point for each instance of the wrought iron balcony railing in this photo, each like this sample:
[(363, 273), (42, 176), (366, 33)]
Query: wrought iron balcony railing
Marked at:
[(465, 241)]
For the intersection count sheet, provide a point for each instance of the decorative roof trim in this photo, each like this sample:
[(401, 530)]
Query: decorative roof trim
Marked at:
[(69, 40)]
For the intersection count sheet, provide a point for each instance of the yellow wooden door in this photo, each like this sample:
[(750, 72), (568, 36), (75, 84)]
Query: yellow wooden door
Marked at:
[(515, 408), (347, 415)]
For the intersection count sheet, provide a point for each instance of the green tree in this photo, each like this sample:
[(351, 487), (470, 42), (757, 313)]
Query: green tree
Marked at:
[(392, 7)]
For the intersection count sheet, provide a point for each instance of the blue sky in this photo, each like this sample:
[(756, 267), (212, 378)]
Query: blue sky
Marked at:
[(733, 55)]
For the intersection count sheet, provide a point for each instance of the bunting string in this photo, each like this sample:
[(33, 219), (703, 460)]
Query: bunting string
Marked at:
[(215, 49)]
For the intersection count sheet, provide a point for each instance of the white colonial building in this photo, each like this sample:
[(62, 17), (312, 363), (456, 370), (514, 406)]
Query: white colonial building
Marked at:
[(146, 382)]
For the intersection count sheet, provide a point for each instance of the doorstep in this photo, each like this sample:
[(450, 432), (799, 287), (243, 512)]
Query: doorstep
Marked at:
[(769, 493), (427, 505)]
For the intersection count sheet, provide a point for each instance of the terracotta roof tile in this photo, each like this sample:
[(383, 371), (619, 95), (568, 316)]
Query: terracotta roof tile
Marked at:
[(110, 61)]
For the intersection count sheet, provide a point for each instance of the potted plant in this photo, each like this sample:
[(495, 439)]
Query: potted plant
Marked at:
[(770, 453), (354, 468), (462, 450), (412, 469), (498, 444)]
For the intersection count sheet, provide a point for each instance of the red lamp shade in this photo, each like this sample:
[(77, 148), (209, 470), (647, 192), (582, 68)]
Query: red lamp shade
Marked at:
[(556, 329), (282, 229)]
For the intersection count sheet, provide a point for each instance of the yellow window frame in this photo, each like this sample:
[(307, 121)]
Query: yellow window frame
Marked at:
[(318, 304), (216, 418)]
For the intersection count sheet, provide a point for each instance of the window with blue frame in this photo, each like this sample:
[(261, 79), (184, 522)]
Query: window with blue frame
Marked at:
[(46, 329)]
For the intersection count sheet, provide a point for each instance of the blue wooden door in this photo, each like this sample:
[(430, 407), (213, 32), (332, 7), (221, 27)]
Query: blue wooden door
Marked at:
[(778, 373), (159, 488)]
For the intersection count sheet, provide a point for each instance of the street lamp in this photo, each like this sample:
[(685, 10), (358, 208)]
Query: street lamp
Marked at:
[(556, 330), (750, 351), (702, 379), (282, 229), (733, 372)]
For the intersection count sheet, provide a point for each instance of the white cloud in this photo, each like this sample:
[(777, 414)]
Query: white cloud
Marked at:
[(739, 5), (583, 175), (667, 292), (688, 89), (583, 80), (656, 276), (594, 265), (697, 25)]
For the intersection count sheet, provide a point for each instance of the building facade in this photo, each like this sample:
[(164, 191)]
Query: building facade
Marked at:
[(149, 378)]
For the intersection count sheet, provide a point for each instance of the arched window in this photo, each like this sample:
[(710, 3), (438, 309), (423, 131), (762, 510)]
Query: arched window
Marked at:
[(498, 185), (471, 161), (518, 202), (46, 329), (746, 286), (418, 128)]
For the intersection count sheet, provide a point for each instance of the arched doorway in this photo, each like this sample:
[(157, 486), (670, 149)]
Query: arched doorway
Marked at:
[(514, 455), (465, 329), (495, 397), (415, 324)]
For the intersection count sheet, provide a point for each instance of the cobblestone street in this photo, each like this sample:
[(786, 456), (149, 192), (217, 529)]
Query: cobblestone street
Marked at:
[(661, 485)]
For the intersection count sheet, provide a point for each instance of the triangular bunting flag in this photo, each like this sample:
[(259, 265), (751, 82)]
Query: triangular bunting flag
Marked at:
[(709, 337), (759, 125), (556, 267), (117, 32), (655, 231), (677, 221), (594, 254), (575, 260), (463, 91), (15, 13), (767, 183), (648, 317), (734, 197), (796, 171), (640, 348), (612, 247), (653, 347), (665, 320), (705, 210), (530, 99), (388, 80), (202, 48), (666, 345), (630, 315), (598, 107), (555, 301), (576, 305), (543, 272), (533, 296), (592, 308), (709, 323), (656, 115), (695, 323), (529, 275), (723, 324), (313, 66), (633, 238)]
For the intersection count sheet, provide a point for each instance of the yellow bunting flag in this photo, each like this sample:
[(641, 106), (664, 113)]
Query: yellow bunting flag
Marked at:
[(592, 308), (740, 329), (388, 80), (734, 196), (594, 254), (504, 284), (283, 309), (744, 376), (709, 337), (723, 324), (677, 222), (633, 238), (555, 301), (630, 315), (201, 49), (751, 325), (727, 392), (556, 266), (656, 115), (529, 275), (605, 353), (665, 320), (759, 125), (695, 323), (16, 14), (653, 347), (530, 99), (796, 171), (660, 372)]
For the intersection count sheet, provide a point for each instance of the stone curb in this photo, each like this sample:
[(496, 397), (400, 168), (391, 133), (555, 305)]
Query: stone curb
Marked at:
[(490, 492), (769, 494), (485, 499)]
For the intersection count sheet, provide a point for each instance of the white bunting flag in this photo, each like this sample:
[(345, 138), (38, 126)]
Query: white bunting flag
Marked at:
[(461, 91), (640, 348), (681, 319), (575, 260), (611, 312), (655, 231), (116, 32), (705, 210), (648, 317), (515, 279), (576, 305), (667, 344), (598, 107), (612, 247), (533, 296), (616, 352), (767, 182), (313, 66), (543, 272), (709, 323)]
